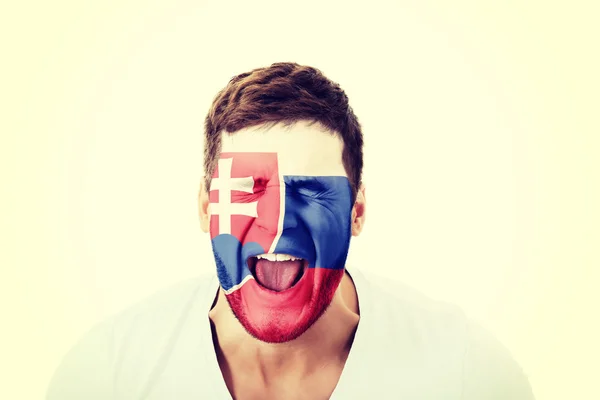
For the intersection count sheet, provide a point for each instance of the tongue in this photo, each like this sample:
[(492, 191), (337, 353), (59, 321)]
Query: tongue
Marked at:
[(277, 275)]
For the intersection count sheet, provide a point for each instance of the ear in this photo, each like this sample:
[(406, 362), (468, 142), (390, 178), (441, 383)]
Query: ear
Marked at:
[(203, 202), (358, 211)]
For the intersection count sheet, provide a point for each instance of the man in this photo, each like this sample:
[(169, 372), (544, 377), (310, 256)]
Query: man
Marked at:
[(285, 317)]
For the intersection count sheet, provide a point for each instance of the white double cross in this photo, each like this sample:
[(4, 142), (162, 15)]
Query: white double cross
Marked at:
[(225, 208)]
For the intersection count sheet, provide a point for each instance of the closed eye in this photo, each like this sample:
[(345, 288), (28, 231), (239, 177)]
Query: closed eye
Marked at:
[(246, 185), (310, 192)]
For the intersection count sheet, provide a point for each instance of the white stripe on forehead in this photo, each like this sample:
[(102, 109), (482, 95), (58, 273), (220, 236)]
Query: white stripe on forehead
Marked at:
[(301, 149)]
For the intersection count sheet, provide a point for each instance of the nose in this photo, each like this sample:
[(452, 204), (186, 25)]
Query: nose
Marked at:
[(270, 211), (296, 208)]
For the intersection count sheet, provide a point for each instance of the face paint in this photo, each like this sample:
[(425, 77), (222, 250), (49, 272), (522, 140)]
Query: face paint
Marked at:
[(256, 209)]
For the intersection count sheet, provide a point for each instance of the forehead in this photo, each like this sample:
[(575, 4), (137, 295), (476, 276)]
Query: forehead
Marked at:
[(302, 149)]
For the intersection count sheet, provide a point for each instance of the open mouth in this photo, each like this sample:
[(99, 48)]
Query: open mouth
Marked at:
[(277, 272)]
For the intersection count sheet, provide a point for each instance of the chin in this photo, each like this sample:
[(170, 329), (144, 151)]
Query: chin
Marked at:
[(279, 317)]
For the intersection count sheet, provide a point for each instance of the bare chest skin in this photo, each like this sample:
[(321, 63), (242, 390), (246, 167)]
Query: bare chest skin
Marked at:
[(249, 382), (316, 386)]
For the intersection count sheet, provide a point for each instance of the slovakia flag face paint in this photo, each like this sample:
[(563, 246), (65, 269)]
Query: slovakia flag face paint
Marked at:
[(280, 241)]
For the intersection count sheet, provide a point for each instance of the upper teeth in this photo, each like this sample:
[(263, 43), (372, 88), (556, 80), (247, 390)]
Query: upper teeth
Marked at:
[(277, 257)]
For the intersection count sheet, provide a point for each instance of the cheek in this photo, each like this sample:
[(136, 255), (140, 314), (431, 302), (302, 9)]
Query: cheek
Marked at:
[(321, 218), (326, 222), (329, 228)]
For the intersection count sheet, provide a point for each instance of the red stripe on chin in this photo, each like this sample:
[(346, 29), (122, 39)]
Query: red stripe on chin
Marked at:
[(277, 317)]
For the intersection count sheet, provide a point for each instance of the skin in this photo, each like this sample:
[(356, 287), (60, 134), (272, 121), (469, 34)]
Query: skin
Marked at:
[(310, 366)]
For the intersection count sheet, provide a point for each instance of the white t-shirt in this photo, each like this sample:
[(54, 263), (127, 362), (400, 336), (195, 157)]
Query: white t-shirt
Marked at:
[(407, 346)]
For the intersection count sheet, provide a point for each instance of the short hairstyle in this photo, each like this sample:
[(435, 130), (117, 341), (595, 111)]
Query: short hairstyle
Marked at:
[(284, 93)]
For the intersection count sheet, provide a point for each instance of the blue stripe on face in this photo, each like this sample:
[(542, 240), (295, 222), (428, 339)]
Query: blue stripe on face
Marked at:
[(316, 227), (317, 220), (231, 262)]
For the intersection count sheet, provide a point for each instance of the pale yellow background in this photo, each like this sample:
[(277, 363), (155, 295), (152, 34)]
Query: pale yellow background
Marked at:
[(481, 124)]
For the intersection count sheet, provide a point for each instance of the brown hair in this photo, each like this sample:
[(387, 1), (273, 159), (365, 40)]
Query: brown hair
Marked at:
[(284, 93)]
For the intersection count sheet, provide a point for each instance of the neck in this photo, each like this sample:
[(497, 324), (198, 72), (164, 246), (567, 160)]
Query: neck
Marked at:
[(327, 341)]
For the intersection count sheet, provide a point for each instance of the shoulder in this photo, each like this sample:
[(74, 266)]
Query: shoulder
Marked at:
[(127, 345), (163, 308), (489, 369), (436, 341), (154, 318), (399, 306)]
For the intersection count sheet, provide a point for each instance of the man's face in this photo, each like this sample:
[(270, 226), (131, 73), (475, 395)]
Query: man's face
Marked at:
[(280, 208)]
